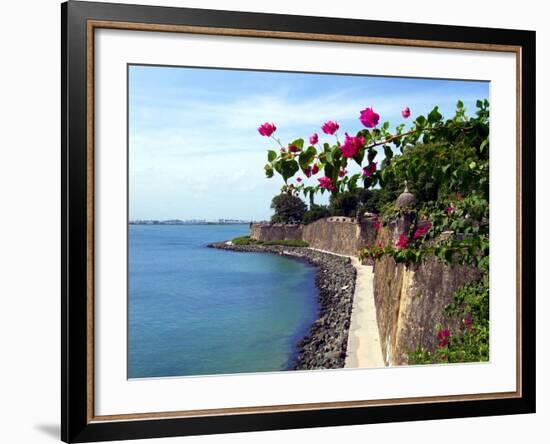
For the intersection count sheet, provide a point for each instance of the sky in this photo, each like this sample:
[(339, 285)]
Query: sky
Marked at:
[(194, 148)]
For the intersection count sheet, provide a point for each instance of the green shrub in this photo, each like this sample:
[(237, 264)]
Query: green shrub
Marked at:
[(287, 243), (243, 240), (315, 212), (470, 343), (247, 240)]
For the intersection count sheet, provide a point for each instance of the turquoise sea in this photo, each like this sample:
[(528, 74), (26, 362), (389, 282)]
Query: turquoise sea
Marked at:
[(194, 310)]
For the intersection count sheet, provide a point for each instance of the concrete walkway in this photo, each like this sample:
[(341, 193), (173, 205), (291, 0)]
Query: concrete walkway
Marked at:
[(364, 346)]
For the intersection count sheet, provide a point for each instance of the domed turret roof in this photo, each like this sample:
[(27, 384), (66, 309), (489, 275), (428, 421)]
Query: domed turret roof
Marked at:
[(406, 199)]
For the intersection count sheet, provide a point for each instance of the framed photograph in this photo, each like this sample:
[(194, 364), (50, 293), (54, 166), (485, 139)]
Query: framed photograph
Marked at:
[(275, 221)]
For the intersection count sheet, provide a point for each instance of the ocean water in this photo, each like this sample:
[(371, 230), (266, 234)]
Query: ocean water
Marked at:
[(194, 310)]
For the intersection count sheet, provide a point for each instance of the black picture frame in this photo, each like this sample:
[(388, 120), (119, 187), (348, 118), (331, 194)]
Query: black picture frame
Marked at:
[(76, 326)]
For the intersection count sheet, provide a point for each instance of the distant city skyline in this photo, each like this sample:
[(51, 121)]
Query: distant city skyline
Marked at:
[(188, 221), (194, 148)]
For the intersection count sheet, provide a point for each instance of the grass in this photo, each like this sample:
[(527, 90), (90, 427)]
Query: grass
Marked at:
[(247, 240), (287, 243), (243, 240)]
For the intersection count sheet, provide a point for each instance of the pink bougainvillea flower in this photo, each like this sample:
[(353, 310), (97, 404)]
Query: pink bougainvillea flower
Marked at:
[(315, 169), (293, 148), (299, 179), (369, 170), (406, 112), (342, 173), (267, 129), (352, 145), (421, 231), (369, 118), (326, 183), (450, 210), (307, 172), (313, 139), (330, 127), (283, 150), (402, 242), (377, 225), (443, 336)]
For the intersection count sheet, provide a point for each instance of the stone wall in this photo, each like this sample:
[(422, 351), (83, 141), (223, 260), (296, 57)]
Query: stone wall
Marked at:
[(341, 235), (410, 300), (270, 232)]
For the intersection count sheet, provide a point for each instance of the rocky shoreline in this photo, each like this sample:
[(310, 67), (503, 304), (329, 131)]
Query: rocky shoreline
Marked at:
[(325, 345)]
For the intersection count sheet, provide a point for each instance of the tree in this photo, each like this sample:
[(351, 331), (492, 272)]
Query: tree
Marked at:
[(288, 209), (349, 203), (315, 212), (343, 204)]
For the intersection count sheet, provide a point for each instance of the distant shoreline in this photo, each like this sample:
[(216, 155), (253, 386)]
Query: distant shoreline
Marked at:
[(188, 222), (325, 345)]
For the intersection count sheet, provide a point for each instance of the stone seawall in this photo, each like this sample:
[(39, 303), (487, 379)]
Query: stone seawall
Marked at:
[(272, 232), (410, 300), (340, 235)]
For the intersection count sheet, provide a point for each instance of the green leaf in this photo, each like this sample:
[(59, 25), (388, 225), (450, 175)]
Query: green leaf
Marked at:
[(483, 145), (268, 171), (371, 155), (329, 170), (434, 116), (359, 156), (336, 153), (352, 184), (388, 152), (420, 121), (460, 104), (278, 166), (299, 143), (289, 168), (271, 155), (306, 157)]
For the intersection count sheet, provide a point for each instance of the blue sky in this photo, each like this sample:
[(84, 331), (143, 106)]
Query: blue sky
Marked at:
[(194, 148)]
